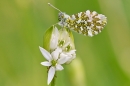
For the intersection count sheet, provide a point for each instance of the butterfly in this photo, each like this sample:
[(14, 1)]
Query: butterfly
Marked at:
[(88, 23)]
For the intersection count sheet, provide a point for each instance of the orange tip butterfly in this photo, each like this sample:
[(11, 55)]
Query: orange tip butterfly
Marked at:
[(88, 23)]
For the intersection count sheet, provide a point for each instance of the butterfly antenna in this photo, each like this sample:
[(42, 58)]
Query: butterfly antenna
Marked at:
[(54, 7)]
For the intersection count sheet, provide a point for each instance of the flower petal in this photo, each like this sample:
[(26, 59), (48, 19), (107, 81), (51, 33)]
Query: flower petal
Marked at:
[(45, 53), (46, 63), (51, 74), (59, 67), (66, 44), (70, 59), (63, 35), (54, 39), (63, 59), (73, 51), (55, 54)]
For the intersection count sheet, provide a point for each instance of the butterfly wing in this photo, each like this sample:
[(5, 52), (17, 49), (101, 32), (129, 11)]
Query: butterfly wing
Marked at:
[(86, 23)]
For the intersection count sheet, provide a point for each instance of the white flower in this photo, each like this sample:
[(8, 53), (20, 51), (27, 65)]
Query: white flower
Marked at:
[(54, 62), (59, 39), (67, 45), (61, 50), (64, 39)]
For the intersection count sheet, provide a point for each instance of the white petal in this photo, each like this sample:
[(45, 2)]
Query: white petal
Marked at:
[(63, 59), (68, 57), (53, 43), (56, 32), (71, 52), (66, 44), (51, 74), (46, 63), (59, 67), (63, 55), (55, 54), (45, 53), (64, 35), (59, 49), (54, 39)]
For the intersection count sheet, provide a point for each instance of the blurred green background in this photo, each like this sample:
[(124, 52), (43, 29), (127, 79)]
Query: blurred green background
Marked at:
[(102, 60)]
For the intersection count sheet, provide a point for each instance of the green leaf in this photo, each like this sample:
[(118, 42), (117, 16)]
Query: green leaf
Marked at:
[(47, 38)]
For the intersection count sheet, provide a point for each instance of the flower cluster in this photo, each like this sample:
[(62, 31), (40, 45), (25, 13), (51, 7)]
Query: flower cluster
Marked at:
[(61, 51)]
